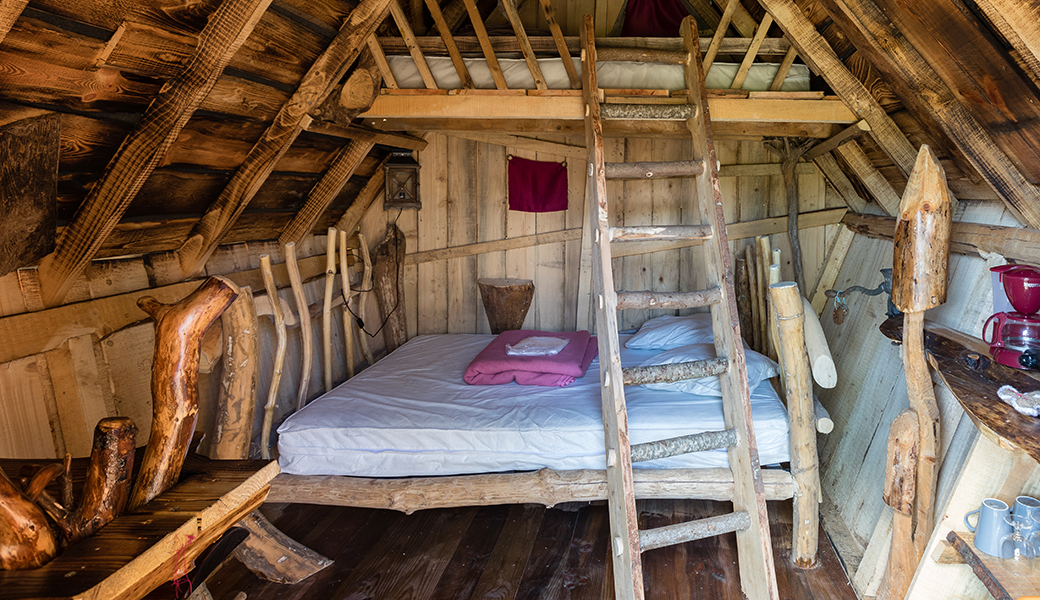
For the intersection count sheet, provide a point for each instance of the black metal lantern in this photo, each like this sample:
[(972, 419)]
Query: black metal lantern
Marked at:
[(402, 181)]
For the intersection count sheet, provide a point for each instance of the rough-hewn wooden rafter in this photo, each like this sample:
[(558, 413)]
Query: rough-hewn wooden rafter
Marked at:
[(1019, 23), (10, 10), (970, 137), (142, 149), (317, 84)]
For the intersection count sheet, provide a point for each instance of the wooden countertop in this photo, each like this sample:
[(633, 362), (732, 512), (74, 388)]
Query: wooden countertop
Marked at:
[(964, 364)]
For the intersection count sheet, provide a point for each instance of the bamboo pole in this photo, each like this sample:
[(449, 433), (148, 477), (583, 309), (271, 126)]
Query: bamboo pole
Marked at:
[(366, 288), (279, 355), (788, 312), (348, 319), (303, 309), (326, 309)]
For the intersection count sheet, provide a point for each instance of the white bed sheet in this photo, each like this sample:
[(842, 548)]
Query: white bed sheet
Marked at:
[(411, 414)]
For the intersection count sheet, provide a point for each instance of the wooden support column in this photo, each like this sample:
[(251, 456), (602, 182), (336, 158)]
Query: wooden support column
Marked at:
[(179, 329), (142, 149), (790, 152), (28, 187), (387, 273), (293, 117), (233, 430), (306, 337), (279, 356), (10, 10), (325, 191), (790, 318)]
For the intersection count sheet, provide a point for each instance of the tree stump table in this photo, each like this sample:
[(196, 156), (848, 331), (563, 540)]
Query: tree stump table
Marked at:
[(506, 302)]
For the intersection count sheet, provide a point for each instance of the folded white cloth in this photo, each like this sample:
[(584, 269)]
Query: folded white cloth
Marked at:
[(537, 346), (1028, 404)]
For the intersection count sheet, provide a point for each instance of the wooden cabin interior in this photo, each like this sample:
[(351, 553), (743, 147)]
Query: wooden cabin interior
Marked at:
[(350, 177)]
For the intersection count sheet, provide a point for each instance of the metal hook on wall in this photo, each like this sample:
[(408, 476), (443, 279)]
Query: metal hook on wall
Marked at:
[(841, 308)]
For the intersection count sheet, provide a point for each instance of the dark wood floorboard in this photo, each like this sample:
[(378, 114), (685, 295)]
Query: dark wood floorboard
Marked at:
[(518, 553)]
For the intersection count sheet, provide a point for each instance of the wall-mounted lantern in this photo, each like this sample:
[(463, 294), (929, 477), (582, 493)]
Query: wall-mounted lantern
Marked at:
[(402, 181)]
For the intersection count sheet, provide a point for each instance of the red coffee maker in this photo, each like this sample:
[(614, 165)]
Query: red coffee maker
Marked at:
[(1014, 337)]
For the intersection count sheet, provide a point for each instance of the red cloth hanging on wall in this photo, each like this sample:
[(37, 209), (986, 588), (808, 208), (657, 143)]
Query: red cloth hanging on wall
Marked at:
[(653, 18), (536, 186)]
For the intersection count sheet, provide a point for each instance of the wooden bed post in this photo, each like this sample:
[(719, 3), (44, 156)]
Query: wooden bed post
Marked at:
[(175, 377), (794, 361)]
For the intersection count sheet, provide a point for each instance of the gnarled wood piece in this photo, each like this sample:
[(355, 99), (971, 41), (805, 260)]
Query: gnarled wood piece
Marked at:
[(387, 273), (303, 308), (279, 356), (236, 403), (175, 397), (274, 556), (26, 539), (900, 476), (108, 477), (366, 287), (790, 152), (506, 302)]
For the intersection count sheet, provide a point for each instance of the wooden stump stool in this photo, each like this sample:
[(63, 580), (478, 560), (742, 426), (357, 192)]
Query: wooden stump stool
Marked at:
[(506, 302)]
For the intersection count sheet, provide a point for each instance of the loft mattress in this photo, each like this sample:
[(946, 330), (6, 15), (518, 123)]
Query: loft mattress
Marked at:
[(411, 414)]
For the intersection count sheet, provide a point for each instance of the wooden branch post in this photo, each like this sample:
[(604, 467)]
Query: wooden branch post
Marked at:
[(506, 302), (388, 271), (790, 320), (303, 309), (922, 248), (326, 309), (279, 356), (366, 287), (348, 319), (237, 400), (900, 477), (175, 381), (790, 153)]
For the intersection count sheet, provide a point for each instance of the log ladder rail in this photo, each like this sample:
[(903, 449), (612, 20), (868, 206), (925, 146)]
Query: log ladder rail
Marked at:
[(748, 519)]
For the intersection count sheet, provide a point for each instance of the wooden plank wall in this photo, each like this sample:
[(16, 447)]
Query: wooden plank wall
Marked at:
[(871, 391)]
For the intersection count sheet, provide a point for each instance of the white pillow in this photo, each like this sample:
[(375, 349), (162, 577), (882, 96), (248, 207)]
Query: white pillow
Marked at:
[(665, 333), (759, 368)]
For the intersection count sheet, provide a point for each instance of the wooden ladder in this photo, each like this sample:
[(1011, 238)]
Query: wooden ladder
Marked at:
[(748, 519)]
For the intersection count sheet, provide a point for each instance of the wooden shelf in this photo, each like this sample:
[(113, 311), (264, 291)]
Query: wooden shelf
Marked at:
[(965, 366), (1002, 584)]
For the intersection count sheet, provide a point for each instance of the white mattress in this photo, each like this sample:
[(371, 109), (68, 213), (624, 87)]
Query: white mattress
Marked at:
[(610, 74), (411, 414)]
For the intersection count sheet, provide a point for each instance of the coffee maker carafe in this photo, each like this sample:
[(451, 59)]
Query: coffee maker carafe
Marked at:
[(1014, 337)]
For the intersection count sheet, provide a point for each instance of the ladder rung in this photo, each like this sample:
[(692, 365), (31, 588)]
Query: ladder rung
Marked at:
[(647, 299), (674, 372), (664, 232), (647, 112), (653, 170), (680, 533), (686, 444)]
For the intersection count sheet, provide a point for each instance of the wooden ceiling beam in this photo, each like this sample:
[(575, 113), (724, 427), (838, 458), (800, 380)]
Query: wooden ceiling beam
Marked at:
[(449, 43), (1019, 23), (142, 149), (434, 45), (413, 46), (840, 182), (849, 133), (509, 8), (398, 139), (317, 84), (973, 139), (10, 10), (874, 181), (735, 130)]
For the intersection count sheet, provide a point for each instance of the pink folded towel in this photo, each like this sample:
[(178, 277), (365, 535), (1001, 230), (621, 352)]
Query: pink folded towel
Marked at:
[(494, 366)]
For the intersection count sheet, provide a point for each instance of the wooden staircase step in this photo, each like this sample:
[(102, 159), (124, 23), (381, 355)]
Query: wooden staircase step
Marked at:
[(673, 372), (653, 169), (680, 533), (648, 299), (686, 444), (664, 232)]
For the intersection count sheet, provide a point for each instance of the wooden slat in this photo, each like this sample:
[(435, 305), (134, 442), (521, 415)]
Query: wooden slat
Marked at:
[(10, 10), (485, 44), (509, 8), (730, 130), (413, 46), (561, 44), (317, 84), (837, 178), (399, 139), (381, 62), (1019, 23), (720, 33), (832, 265), (680, 533), (139, 153), (849, 133), (875, 182), (785, 66), (449, 43), (749, 58), (325, 191)]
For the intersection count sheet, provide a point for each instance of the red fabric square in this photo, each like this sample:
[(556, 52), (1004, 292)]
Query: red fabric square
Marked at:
[(653, 18), (536, 186)]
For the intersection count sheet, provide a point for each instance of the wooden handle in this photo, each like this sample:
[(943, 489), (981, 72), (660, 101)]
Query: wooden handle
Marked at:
[(107, 488), (922, 238)]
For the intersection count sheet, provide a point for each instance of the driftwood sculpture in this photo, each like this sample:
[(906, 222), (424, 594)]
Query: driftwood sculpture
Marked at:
[(175, 399), (919, 269)]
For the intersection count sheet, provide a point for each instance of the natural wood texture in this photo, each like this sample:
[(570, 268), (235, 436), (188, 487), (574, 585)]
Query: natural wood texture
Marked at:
[(783, 69), (546, 487), (752, 53), (509, 8), (348, 321), (26, 539), (790, 318), (506, 302), (140, 550), (306, 335), (922, 238), (279, 356), (790, 153), (900, 477), (28, 179), (841, 183), (879, 187), (292, 118), (401, 19), (720, 33), (373, 189), (325, 191), (961, 123), (386, 283), (359, 90), (561, 44), (485, 44), (669, 535), (823, 371), (178, 333), (357, 131), (845, 135), (1000, 583), (765, 258), (274, 556), (10, 10), (142, 149), (757, 313), (449, 43), (1020, 26), (657, 300), (673, 372), (380, 57), (608, 48), (233, 429), (326, 311), (362, 302)]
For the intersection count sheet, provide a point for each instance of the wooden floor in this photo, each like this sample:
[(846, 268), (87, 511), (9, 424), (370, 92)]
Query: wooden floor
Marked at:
[(514, 552)]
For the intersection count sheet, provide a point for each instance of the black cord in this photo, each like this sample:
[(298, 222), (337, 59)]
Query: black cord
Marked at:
[(397, 301)]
